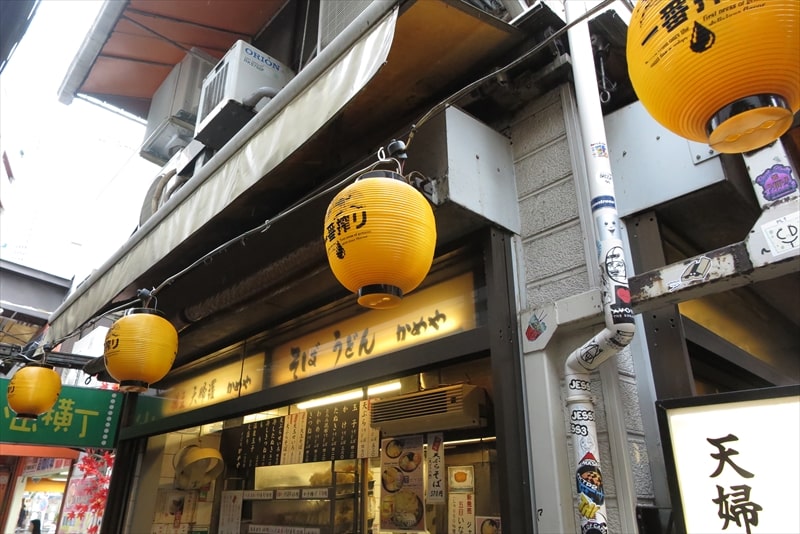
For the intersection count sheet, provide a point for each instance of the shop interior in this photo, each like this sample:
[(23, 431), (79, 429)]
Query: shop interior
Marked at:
[(426, 467)]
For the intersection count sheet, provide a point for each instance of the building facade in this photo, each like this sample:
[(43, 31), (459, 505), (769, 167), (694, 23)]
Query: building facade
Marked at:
[(529, 275)]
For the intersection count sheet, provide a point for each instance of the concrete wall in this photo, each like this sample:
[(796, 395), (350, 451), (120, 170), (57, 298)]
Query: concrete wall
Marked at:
[(556, 261)]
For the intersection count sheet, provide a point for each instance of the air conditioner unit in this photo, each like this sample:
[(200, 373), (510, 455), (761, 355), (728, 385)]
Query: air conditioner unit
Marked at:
[(173, 108), (450, 407), (242, 71), (334, 17)]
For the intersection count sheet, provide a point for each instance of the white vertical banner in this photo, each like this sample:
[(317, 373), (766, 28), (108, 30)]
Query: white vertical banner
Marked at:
[(435, 493), (230, 512), (461, 513), (368, 437), (294, 438)]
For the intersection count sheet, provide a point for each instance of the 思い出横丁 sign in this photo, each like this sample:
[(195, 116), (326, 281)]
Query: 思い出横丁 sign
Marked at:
[(82, 417)]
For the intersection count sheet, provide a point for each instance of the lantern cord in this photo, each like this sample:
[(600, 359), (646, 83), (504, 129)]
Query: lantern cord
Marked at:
[(500, 70), (263, 227), (91, 322)]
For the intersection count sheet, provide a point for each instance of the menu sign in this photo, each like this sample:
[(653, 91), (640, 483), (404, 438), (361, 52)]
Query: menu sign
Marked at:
[(329, 432), (261, 443), (332, 432)]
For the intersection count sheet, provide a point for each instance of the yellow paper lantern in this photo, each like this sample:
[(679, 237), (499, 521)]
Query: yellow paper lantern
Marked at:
[(722, 73), (33, 390), (380, 236), (140, 349)]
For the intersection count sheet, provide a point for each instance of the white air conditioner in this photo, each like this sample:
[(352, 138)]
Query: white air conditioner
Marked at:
[(236, 78), (445, 408), (173, 108)]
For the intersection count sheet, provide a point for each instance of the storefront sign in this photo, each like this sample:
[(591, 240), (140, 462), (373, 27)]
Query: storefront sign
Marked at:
[(223, 383), (436, 312), (733, 459), (81, 417)]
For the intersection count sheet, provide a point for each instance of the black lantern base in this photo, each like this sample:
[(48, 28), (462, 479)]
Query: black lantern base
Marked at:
[(27, 416), (380, 296), (133, 386)]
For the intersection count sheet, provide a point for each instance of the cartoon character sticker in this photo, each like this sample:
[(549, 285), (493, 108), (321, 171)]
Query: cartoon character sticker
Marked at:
[(607, 225)]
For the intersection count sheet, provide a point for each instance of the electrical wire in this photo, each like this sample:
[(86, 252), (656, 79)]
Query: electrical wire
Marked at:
[(466, 89), (263, 227), (381, 156)]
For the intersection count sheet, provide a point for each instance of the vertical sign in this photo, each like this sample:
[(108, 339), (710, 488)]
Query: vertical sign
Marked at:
[(461, 513), (230, 512), (294, 437), (368, 437), (436, 471), (735, 457)]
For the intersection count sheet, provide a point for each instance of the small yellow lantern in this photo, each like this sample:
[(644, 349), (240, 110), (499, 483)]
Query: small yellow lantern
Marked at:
[(722, 73), (33, 390), (140, 349), (380, 236)]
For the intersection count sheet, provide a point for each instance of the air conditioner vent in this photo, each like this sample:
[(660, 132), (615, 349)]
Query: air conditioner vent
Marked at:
[(460, 406)]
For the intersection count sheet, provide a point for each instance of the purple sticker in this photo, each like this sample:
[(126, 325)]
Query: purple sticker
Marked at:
[(777, 182)]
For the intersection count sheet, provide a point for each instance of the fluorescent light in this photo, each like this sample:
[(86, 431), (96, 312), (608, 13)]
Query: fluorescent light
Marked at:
[(331, 399), (349, 395), (384, 388)]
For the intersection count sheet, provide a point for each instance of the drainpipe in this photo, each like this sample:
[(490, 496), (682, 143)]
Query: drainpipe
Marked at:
[(619, 325)]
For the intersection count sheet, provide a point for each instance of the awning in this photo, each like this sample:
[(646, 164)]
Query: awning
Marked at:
[(290, 119), (134, 44), (337, 110)]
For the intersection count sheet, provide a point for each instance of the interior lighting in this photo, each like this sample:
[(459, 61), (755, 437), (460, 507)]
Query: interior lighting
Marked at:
[(350, 395), (725, 74)]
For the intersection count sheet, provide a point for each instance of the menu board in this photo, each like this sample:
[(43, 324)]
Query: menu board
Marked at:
[(261, 443), (334, 432)]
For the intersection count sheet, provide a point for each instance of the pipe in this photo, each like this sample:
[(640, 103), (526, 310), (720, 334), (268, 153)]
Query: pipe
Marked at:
[(258, 94), (618, 315)]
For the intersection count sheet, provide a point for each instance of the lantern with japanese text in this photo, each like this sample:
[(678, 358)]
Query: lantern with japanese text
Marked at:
[(723, 73), (140, 349), (380, 236), (33, 390)]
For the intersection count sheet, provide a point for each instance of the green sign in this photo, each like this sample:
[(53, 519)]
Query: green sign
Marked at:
[(82, 417)]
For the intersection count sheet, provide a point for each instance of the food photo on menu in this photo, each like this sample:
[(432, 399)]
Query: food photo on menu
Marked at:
[(402, 484)]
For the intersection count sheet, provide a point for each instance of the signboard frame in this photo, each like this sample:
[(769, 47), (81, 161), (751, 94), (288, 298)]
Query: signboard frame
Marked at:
[(705, 406)]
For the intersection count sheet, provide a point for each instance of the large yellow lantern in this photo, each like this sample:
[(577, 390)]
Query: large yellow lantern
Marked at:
[(723, 73), (380, 236), (140, 348), (33, 390)]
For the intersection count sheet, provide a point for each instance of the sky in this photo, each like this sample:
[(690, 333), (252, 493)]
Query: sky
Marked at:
[(79, 182)]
